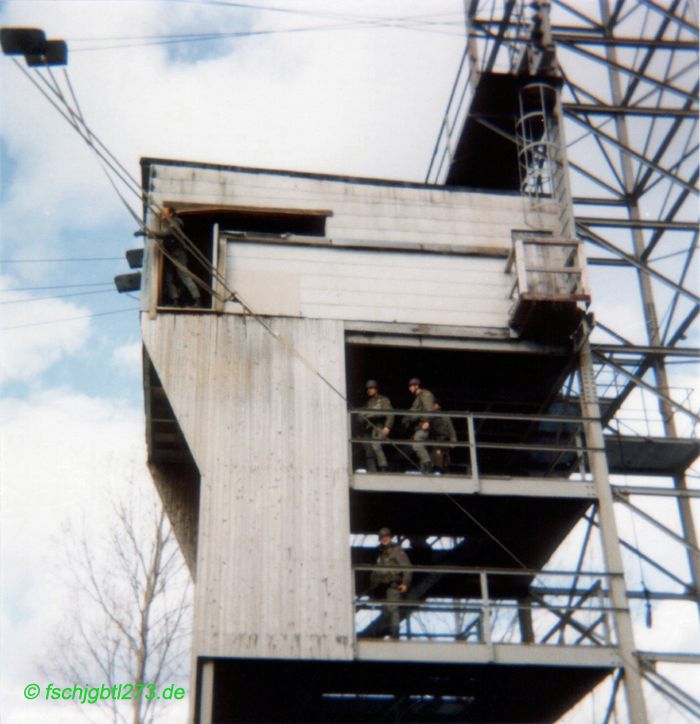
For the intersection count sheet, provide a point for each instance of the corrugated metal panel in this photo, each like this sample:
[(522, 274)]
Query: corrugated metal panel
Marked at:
[(273, 559), (374, 286)]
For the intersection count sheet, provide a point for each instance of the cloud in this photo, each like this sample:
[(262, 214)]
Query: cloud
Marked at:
[(128, 357), (29, 346), (64, 456), (333, 105)]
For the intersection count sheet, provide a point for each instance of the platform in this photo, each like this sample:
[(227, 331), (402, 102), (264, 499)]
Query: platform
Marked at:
[(370, 690), (531, 528)]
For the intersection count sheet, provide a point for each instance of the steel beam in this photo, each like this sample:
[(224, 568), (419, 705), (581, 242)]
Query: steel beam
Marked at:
[(646, 364), (610, 540), (636, 74), (587, 233), (655, 491), (650, 519), (647, 111), (638, 223), (625, 148), (693, 352), (677, 205), (667, 12), (572, 37), (640, 383)]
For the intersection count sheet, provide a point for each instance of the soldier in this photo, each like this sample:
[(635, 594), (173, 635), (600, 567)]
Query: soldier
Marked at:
[(443, 429), (376, 427), (175, 277), (390, 585), (423, 402)]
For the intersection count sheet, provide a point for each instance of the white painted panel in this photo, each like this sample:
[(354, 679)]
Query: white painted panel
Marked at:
[(269, 439), (268, 291), (372, 285)]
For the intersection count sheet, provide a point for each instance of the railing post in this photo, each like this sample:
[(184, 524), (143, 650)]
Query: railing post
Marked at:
[(351, 469), (606, 616), (527, 632), (581, 454), (485, 607), (520, 267), (471, 431)]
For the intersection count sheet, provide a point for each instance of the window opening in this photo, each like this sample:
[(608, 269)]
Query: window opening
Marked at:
[(179, 289)]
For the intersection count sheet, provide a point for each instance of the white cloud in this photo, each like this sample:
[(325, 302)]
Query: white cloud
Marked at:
[(29, 345), (334, 104), (64, 455), (129, 357)]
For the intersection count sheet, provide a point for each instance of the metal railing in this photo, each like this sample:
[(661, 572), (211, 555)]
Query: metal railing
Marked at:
[(548, 270), (487, 443), (490, 606)]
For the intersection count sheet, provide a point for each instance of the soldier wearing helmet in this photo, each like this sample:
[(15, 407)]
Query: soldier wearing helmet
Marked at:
[(423, 402), (180, 289), (391, 585), (376, 426)]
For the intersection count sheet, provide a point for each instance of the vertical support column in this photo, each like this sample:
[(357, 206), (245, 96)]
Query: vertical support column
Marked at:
[(485, 607), (472, 449), (527, 632), (610, 539), (205, 709)]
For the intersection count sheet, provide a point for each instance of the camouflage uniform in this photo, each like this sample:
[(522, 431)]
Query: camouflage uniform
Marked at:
[(424, 402), (442, 429), (373, 426), (385, 584), (172, 229)]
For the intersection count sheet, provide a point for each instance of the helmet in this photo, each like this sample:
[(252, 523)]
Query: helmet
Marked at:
[(371, 383), (384, 531), (414, 381)]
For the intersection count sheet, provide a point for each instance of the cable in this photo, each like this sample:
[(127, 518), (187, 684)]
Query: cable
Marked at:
[(57, 296), (675, 253), (209, 37), (61, 259), (69, 115), (66, 319), (57, 286), (423, 23)]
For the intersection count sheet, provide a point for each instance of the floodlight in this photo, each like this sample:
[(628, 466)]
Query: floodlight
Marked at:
[(135, 258), (33, 45), (55, 53), (22, 41), (128, 282)]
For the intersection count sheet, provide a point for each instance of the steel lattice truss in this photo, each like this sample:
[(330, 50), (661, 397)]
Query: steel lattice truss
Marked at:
[(630, 104), (630, 97), (629, 101)]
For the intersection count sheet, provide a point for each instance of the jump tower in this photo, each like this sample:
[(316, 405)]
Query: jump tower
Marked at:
[(476, 281)]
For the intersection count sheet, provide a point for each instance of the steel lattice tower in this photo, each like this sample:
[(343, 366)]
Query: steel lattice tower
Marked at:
[(628, 108)]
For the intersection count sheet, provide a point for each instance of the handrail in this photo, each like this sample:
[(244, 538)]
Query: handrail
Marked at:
[(558, 436), (473, 613), (476, 570), (477, 415)]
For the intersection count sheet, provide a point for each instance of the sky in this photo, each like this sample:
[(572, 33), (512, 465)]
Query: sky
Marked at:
[(333, 87)]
